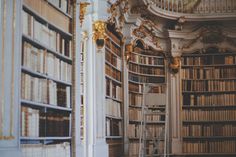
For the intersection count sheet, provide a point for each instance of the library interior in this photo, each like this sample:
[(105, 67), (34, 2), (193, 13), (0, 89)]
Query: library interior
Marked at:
[(117, 78)]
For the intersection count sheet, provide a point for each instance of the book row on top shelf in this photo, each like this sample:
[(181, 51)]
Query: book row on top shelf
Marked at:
[(48, 12), (210, 59), (47, 37)]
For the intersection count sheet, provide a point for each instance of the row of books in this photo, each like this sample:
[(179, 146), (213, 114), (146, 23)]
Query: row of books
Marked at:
[(30, 125), (209, 130), (209, 115), (113, 37), (48, 37), (114, 60), (44, 91), (215, 146), (149, 99), (64, 5), (112, 47), (115, 147), (36, 123), (136, 115), (150, 89), (57, 124), (46, 63), (134, 148), (112, 72), (146, 70), (113, 127), (209, 85), (41, 150), (146, 79), (134, 131), (208, 73), (48, 12), (209, 60), (133, 87), (147, 60), (113, 90), (113, 108), (210, 100)]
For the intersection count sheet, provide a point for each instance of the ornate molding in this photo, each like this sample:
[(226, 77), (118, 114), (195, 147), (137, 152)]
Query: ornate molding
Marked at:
[(128, 51), (118, 11), (174, 64), (148, 32), (99, 33), (83, 6)]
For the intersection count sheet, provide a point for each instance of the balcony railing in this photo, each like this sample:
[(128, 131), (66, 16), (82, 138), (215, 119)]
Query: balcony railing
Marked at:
[(193, 8)]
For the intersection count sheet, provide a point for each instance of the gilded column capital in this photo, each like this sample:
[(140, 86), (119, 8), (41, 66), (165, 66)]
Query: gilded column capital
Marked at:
[(99, 33)]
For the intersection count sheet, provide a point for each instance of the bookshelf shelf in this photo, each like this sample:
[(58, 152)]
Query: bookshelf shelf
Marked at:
[(45, 138), (148, 122), (37, 74), (114, 137), (115, 99), (209, 107), (45, 21), (68, 15), (41, 45), (210, 121), (110, 51), (148, 65), (149, 75), (114, 80), (113, 117), (208, 137), (209, 66), (32, 103)]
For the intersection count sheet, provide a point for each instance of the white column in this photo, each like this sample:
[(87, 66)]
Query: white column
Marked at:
[(175, 111), (95, 96), (77, 148), (10, 69)]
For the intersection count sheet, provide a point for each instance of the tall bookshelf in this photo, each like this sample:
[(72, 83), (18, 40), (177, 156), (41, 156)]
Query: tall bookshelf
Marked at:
[(209, 103), (46, 78), (114, 90), (146, 70)]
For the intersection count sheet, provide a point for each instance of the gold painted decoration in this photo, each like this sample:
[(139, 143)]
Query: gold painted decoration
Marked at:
[(83, 7), (128, 51), (174, 64), (117, 11), (99, 33)]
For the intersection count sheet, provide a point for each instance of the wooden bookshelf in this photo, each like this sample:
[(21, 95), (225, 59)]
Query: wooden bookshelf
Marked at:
[(146, 68), (114, 92), (46, 78), (208, 103)]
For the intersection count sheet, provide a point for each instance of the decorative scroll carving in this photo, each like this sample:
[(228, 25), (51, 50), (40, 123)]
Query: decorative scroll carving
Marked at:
[(83, 6), (117, 11), (147, 30), (174, 64)]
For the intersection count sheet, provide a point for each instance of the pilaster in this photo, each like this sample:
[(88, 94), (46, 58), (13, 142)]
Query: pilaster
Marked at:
[(10, 68), (95, 83)]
